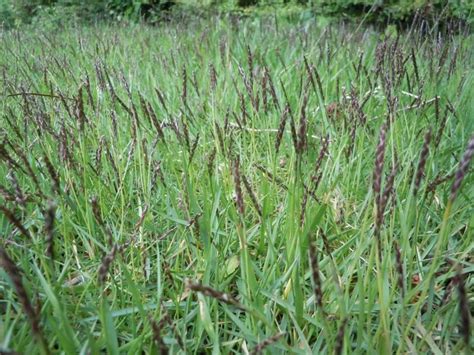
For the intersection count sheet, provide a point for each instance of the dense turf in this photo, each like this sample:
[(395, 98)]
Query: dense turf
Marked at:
[(207, 187)]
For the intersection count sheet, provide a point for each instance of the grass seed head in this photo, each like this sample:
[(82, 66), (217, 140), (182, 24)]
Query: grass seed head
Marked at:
[(379, 162), (213, 77), (15, 275), (303, 126), (260, 347), (157, 330), (211, 160), (387, 192), (49, 219), (184, 93), (252, 195), (340, 338), (356, 108), (106, 263), (53, 174), (317, 285), (213, 293), (447, 292), (420, 171), (250, 63), (96, 210), (193, 148), (281, 129), (272, 88), (264, 89), (6, 194), (464, 309), (401, 274), (79, 109), (14, 221), (20, 197), (462, 169), (304, 201), (238, 188)]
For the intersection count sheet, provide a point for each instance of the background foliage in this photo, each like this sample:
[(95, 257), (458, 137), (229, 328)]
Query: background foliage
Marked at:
[(16, 12), (128, 153), (120, 153)]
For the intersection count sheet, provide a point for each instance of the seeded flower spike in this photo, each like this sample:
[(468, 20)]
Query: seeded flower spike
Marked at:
[(379, 161), (15, 275), (303, 126), (210, 292), (53, 174), (462, 170), (238, 187), (387, 192), (49, 218), (272, 88), (317, 174), (184, 93), (401, 274), (14, 221), (313, 259), (340, 338), (421, 165), (106, 262), (210, 164), (167, 319), (213, 77), (304, 202), (464, 309), (264, 344), (379, 199), (252, 195), (156, 329), (281, 128), (96, 210), (264, 90)]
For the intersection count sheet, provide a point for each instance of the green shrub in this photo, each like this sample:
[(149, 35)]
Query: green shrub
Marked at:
[(16, 12), (398, 10)]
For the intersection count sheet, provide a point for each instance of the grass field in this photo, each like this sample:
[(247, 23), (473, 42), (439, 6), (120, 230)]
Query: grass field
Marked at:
[(234, 186)]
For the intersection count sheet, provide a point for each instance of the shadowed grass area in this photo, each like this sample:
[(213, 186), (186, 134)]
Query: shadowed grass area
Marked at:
[(236, 186)]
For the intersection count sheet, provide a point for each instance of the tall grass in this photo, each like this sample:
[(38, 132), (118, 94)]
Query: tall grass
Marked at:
[(234, 186)]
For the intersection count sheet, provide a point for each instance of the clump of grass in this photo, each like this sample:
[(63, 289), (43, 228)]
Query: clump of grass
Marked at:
[(218, 165)]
